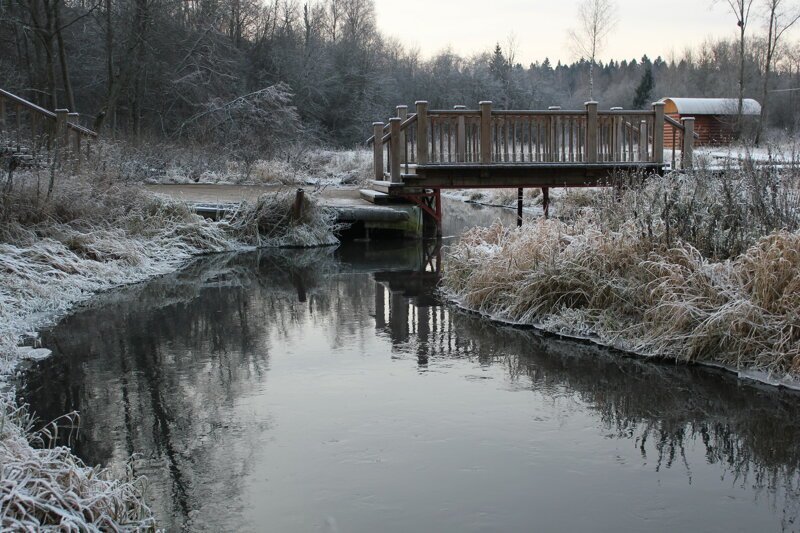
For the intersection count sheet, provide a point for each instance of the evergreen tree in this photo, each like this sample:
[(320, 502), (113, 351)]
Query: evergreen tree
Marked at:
[(644, 91)]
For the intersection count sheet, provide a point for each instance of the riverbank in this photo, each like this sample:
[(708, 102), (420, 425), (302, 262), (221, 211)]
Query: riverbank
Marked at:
[(699, 268), (57, 249)]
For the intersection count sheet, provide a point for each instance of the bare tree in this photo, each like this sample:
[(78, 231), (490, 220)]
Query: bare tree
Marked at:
[(780, 17), (596, 19), (741, 9)]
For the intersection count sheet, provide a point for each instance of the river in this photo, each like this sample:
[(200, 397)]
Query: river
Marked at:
[(332, 390)]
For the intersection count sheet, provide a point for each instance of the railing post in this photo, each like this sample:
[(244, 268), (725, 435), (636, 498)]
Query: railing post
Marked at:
[(422, 132), (74, 118), (2, 112), (658, 133), (486, 132), (402, 114), (591, 132), (688, 143), (394, 149), (461, 136), (643, 142), (61, 130), (377, 149)]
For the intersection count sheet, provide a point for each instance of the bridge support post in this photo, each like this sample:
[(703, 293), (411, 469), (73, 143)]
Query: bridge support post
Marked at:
[(688, 143), (519, 207), (402, 114), (377, 150), (422, 132), (658, 133), (591, 132), (394, 149), (2, 112), (486, 132), (546, 202)]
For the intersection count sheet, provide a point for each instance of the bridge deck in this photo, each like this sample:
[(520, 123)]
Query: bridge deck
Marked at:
[(514, 175)]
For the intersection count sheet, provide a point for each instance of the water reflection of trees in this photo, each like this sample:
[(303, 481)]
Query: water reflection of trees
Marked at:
[(165, 366), (751, 432)]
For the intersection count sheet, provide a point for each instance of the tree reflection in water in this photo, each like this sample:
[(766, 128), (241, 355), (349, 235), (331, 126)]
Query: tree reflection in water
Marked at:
[(164, 368)]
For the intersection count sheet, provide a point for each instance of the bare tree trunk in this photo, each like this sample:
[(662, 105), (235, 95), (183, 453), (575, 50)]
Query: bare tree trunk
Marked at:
[(62, 57)]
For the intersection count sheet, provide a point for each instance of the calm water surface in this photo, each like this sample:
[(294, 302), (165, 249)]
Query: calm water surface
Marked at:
[(331, 390)]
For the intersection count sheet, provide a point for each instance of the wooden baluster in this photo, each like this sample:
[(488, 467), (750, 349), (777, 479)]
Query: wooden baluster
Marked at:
[(442, 122), (591, 132), (433, 140), (61, 129), (486, 132), (19, 125), (688, 143), (75, 148), (377, 150), (395, 149), (422, 132), (658, 132), (643, 140), (571, 140), (402, 114)]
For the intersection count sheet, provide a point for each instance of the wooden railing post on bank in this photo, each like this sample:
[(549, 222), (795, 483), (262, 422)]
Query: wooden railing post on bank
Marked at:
[(688, 143), (394, 149), (658, 133), (591, 132), (486, 132)]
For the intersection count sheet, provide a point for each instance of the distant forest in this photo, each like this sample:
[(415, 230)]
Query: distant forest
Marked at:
[(285, 70)]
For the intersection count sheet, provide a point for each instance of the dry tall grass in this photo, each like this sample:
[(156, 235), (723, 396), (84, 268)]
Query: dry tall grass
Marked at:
[(695, 268), (47, 488)]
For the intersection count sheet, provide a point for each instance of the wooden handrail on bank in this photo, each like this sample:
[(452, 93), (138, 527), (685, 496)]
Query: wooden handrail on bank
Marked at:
[(59, 127)]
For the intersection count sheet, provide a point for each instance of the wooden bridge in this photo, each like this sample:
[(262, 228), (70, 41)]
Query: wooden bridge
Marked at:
[(417, 155)]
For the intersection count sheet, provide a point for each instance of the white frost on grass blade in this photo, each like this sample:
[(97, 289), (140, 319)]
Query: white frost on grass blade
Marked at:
[(48, 488)]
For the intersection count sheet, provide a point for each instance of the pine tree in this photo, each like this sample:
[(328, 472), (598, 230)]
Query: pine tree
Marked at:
[(644, 91)]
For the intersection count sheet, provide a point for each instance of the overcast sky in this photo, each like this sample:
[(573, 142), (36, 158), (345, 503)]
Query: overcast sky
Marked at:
[(467, 26)]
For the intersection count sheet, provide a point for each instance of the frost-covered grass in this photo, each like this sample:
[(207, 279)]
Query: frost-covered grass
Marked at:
[(45, 487), (90, 235), (696, 268), (163, 163)]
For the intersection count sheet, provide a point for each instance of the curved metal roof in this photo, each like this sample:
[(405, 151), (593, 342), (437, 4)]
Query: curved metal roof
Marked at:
[(714, 106)]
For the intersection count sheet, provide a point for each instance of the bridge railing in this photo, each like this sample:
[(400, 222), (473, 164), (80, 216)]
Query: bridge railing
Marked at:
[(35, 129), (486, 136)]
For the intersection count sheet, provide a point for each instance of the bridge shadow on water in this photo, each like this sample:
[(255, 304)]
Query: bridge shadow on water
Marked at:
[(163, 369)]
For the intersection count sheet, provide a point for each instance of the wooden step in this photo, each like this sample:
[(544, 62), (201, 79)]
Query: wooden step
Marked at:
[(374, 197), (385, 186)]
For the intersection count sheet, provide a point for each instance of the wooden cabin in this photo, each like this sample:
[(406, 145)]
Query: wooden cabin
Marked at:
[(714, 118)]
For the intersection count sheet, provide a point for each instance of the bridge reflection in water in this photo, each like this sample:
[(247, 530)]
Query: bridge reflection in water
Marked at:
[(164, 368)]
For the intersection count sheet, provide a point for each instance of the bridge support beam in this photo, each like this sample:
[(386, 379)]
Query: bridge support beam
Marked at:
[(519, 207)]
